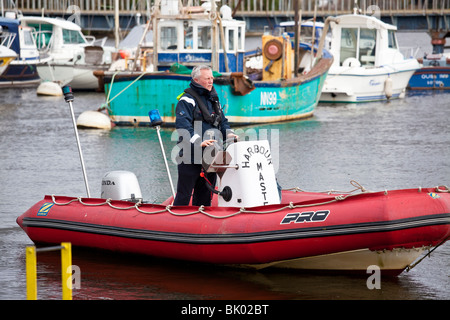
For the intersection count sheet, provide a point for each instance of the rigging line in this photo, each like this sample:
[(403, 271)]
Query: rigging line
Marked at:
[(409, 267)]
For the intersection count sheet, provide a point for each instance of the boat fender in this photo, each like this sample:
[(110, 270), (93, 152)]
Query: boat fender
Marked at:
[(94, 120), (388, 87), (48, 88)]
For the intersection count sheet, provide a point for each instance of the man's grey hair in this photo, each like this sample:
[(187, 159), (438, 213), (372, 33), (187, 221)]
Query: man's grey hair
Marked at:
[(196, 71)]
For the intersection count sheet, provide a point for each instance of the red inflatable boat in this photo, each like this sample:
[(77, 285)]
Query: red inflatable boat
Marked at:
[(317, 231), (251, 222)]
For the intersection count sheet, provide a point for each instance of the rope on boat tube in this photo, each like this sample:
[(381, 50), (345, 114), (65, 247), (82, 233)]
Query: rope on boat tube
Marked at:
[(201, 209), (352, 182), (446, 189)]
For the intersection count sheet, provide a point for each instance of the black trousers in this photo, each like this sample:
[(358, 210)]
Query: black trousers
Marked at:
[(189, 179)]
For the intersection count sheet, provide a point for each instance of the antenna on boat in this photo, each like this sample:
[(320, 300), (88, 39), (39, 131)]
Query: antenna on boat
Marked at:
[(355, 7), (68, 96), (156, 121)]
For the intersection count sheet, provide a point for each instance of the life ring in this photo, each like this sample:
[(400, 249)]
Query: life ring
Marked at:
[(212, 16), (273, 49), (351, 62)]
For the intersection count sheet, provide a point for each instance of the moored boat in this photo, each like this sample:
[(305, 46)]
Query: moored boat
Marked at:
[(184, 38), (68, 57), (368, 64), (435, 73), (253, 225), (20, 72)]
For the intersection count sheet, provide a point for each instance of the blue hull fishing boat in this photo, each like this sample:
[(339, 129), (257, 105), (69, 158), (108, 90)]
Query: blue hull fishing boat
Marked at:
[(435, 73), (261, 88), (431, 77), (21, 71)]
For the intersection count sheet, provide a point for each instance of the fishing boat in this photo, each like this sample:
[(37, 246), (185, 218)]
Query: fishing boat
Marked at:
[(6, 54), (435, 72), (188, 36), (20, 72), (67, 56), (368, 64), (251, 223)]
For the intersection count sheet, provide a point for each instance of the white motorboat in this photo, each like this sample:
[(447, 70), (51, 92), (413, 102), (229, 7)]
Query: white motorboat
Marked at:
[(368, 65), (67, 56)]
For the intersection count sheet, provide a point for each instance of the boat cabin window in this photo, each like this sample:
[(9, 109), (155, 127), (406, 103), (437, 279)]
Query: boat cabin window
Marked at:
[(27, 44), (42, 34), (43, 39), (28, 38), (349, 41), (392, 40), (240, 38), (358, 43), (367, 41), (189, 37), (168, 38), (204, 37), (73, 37), (231, 40)]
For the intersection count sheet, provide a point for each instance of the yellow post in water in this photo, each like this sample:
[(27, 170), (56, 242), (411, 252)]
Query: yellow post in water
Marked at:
[(31, 273), (66, 270)]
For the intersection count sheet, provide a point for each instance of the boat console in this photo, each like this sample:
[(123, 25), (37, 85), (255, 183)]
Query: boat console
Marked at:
[(246, 168)]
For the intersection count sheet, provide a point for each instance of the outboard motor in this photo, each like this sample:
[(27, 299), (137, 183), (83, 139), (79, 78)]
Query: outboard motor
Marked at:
[(121, 185)]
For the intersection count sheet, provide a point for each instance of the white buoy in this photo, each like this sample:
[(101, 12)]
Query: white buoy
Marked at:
[(48, 88), (94, 119), (388, 87)]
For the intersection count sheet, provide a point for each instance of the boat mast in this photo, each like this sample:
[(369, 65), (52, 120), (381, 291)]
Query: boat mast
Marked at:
[(154, 20), (355, 7), (116, 22), (297, 17), (215, 42)]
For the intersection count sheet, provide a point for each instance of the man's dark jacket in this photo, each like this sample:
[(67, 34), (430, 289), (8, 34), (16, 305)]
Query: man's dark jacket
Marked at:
[(189, 111)]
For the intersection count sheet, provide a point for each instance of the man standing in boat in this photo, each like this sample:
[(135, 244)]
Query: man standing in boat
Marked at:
[(200, 123)]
